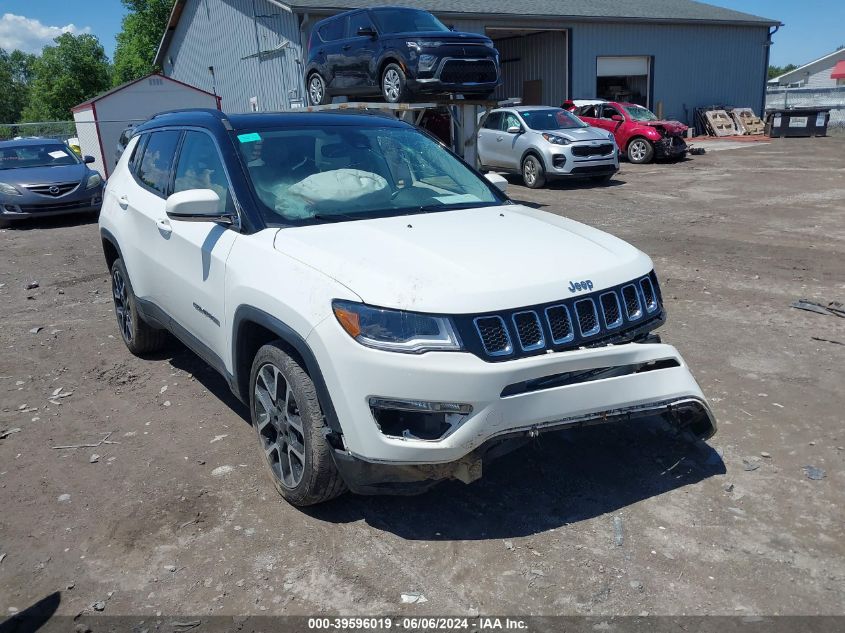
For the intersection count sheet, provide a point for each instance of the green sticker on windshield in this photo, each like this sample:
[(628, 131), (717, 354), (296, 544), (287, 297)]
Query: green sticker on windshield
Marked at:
[(249, 138)]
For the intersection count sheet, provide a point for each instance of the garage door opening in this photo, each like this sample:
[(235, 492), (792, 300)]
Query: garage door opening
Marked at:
[(534, 65), (624, 79)]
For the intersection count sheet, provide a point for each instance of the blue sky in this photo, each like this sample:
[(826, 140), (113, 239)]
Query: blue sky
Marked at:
[(812, 27)]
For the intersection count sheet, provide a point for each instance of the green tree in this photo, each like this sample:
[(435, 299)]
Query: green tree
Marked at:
[(138, 40), (73, 70), (15, 75), (777, 71)]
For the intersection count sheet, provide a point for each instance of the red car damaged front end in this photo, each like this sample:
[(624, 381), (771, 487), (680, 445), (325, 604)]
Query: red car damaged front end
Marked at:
[(669, 142)]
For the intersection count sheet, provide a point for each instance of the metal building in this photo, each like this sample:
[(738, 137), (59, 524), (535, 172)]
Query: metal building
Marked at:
[(101, 119), (670, 55), (824, 72)]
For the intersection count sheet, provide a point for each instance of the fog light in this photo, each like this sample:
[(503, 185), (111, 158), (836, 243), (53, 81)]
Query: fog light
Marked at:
[(559, 161), (427, 62), (417, 419)]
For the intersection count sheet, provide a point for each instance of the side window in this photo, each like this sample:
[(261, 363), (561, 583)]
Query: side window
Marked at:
[(608, 111), (493, 121), (137, 151), (588, 111), (333, 30), (511, 120), (357, 21), (199, 167), (154, 169)]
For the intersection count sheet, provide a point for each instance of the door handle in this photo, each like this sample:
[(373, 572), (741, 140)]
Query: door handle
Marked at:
[(123, 201), (499, 139), (163, 225), (346, 47)]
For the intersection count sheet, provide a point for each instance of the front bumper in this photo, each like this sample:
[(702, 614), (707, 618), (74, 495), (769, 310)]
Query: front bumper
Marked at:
[(633, 378), (443, 78), (34, 206), (670, 147), (561, 162)]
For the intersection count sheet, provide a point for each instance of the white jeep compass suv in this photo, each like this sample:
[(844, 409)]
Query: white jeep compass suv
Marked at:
[(390, 317)]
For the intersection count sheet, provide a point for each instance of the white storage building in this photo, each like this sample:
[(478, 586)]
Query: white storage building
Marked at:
[(101, 119)]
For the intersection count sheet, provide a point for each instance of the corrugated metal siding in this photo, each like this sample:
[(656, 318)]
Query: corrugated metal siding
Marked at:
[(537, 56), (223, 34), (89, 142), (821, 79), (693, 65)]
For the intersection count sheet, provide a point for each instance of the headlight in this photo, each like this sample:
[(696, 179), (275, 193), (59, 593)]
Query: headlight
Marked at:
[(9, 190), (427, 62), (93, 181), (395, 330), (554, 139), (415, 45)]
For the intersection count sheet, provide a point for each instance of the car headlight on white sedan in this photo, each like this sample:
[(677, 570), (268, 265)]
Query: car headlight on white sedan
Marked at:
[(396, 330), (94, 180), (554, 139), (9, 190)]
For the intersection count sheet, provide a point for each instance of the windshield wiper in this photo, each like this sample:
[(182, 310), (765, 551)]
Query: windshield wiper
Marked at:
[(335, 217)]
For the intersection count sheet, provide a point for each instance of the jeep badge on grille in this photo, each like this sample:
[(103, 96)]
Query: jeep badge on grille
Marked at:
[(576, 286)]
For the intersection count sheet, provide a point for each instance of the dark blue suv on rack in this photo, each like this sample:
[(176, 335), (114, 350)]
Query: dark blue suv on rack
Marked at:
[(397, 53)]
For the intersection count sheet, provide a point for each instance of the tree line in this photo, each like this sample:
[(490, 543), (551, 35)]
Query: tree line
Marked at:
[(74, 68)]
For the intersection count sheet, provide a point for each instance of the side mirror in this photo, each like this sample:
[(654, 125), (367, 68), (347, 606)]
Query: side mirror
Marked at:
[(88, 159), (196, 205), (514, 129), (617, 117), (498, 181), (367, 31)]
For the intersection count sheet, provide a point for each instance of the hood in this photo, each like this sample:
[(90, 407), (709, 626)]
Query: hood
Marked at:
[(670, 127), (464, 262), (450, 37), (44, 175), (581, 134)]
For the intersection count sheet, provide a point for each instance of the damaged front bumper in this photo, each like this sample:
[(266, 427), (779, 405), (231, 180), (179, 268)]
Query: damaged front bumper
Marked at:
[(466, 406), (670, 147)]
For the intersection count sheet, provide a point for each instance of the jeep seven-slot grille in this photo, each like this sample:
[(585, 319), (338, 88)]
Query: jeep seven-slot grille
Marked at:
[(610, 315)]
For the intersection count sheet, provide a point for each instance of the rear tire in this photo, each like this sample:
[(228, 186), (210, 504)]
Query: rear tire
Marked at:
[(290, 426), (139, 336), (394, 84), (533, 173), (317, 90)]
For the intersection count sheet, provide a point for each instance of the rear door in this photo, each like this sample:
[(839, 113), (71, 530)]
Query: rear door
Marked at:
[(143, 201), (195, 253), (333, 34), (488, 137)]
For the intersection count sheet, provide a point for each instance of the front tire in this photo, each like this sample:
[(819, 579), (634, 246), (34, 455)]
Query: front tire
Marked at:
[(640, 151), (394, 84), (317, 90), (138, 335), (533, 173), (290, 425)]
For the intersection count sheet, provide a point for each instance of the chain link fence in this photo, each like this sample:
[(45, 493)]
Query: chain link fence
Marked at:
[(59, 130), (833, 98)]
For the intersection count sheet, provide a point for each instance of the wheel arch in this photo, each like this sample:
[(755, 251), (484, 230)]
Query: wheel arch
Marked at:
[(391, 58), (251, 329), (635, 137), (110, 248), (532, 152)]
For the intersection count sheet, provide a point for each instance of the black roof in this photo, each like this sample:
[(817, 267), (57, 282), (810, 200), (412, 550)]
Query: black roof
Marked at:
[(263, 120)]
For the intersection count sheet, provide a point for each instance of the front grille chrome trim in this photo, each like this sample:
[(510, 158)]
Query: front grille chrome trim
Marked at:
[(650, 305), (611, 325), (569, 337), (637, 314), (508, 349), (540, 343), (592, 307)]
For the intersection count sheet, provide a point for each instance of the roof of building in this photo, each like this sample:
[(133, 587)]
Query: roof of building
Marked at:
[(796, 73), (672, 11), (103, 95)]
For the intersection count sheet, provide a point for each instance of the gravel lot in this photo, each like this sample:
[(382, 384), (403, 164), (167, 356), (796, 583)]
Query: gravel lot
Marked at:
[(155, 524)]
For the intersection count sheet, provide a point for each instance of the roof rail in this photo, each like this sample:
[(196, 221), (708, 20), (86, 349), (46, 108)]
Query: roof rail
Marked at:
[(215, 113)]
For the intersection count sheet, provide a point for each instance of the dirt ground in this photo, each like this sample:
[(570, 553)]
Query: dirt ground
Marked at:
[(734, 526)]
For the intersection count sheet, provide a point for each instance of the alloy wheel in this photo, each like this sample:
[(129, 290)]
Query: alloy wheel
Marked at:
[(279, 425), (638, 150), (121, 305), (529, 172), (315, 90), (391, 85)]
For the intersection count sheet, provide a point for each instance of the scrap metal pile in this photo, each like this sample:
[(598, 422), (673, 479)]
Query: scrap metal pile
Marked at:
[(721, 120)]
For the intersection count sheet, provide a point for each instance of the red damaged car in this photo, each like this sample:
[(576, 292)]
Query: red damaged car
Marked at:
[(638, 132)]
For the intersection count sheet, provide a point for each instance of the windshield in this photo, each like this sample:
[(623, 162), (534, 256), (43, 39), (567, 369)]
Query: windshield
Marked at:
[(639, 113), (46, 155), (406, 21), (551, 119), (327, 174)]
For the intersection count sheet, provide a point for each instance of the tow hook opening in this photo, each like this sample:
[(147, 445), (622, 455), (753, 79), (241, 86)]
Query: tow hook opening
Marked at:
[(417, 419)]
